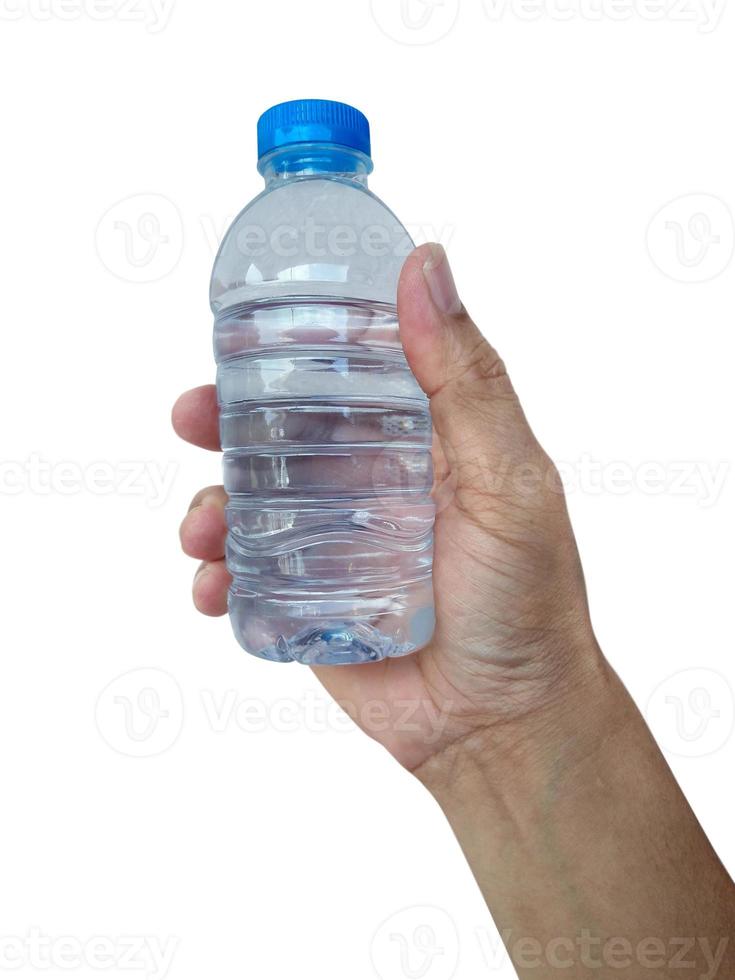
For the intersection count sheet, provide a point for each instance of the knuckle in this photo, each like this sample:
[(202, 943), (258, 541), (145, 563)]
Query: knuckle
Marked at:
[(481, 363), (478, 382)]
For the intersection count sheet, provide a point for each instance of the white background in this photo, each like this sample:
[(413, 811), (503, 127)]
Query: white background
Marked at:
[(540, 147)]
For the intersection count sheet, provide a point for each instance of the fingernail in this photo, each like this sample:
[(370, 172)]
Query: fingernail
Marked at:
[(201, 572), (440, 281)]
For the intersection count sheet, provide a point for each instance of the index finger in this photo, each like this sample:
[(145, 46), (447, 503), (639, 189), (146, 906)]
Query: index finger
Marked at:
[(195, 418)]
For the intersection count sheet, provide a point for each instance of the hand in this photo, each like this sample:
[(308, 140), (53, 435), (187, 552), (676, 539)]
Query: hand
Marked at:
[(569, 817), (513, 639)]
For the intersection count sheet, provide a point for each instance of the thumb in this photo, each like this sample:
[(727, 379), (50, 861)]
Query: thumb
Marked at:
[(474, 408)]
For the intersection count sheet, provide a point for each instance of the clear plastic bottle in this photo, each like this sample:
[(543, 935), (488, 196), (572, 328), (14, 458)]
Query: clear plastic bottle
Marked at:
[(325, 431)]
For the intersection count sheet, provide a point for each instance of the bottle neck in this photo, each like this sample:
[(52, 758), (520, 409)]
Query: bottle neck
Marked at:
[(314, 159)]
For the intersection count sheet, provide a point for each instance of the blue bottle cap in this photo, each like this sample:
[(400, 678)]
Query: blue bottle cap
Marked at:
[(313, 121)]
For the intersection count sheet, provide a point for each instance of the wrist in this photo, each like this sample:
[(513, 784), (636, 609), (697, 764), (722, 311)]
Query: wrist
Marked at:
[(575, 829), (521, 756)]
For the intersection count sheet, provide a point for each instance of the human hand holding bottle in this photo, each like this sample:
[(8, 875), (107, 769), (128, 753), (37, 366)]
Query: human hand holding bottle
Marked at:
[(511, 716)]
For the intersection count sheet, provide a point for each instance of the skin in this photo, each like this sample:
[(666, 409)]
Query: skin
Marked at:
[(568, 814)]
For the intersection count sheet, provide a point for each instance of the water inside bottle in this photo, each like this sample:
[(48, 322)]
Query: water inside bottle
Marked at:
[(327, 464)]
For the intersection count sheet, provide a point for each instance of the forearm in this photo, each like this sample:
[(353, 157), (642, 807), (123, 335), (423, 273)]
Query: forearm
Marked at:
[(578, 835)]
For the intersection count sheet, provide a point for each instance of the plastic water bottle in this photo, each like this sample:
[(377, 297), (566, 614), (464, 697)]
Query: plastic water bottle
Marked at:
[(325, 431)]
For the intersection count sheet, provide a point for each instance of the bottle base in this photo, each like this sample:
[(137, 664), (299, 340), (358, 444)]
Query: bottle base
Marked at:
[(308, 632), (336, 643)]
